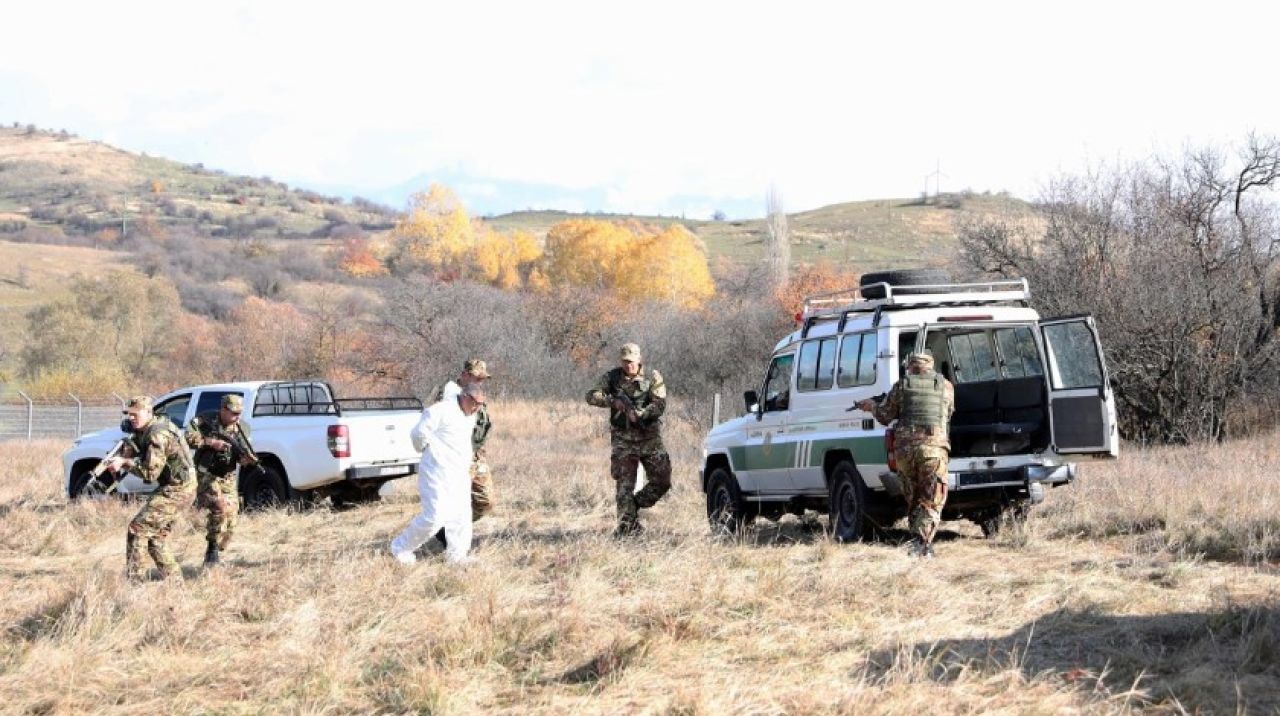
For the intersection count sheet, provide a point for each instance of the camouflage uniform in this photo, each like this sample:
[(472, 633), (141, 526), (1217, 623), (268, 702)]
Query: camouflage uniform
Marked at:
[(161, 457), (921, 452), (635, 443), (218, 490)]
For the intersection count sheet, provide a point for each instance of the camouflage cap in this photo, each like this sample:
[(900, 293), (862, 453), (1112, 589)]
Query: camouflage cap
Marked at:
[(137, 402), (233, 402), (924, 360), (631, 352), (476, 367)]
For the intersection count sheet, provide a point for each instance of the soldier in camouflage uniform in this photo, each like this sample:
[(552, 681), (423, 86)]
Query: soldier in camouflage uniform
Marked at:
[(636, 399), (158, 455), (922, 401), (213, 436)]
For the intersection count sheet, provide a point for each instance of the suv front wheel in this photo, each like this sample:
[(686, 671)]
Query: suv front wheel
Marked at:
[(848, 504), (726, 510)]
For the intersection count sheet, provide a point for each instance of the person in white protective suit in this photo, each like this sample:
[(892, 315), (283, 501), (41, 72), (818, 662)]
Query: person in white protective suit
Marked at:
[(444, 482)]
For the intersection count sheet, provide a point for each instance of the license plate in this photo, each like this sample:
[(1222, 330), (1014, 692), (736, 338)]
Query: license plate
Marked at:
[(392, 471)]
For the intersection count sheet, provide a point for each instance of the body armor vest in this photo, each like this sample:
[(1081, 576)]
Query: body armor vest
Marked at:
[(922, 401), (177, 467)]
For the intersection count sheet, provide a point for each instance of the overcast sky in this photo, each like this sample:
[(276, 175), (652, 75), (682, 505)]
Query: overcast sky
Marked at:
[(672, 107)]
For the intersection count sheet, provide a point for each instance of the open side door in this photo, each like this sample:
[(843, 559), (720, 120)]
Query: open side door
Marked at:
[(1082, 409)]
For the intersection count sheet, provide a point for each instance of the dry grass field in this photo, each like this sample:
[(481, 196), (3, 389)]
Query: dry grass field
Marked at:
[(1149, 585)]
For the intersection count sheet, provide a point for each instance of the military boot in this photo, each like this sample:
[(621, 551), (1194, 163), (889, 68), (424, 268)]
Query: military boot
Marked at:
[(211, 555)]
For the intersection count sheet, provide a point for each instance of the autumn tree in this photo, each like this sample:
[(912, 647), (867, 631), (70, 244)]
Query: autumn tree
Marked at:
[(435, 234), (118, 326), (507, 261), (356, 258), (669, 266)]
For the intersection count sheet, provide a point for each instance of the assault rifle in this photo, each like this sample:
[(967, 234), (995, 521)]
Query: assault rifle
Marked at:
[(875, 399), (238, 450), (94, 485), (629, 407)]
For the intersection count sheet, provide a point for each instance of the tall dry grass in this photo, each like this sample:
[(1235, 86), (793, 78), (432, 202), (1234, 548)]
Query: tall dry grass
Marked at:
[(1080, 612)]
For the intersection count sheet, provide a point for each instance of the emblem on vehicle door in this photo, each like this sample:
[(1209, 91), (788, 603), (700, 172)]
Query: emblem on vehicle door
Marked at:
[(767, 446)]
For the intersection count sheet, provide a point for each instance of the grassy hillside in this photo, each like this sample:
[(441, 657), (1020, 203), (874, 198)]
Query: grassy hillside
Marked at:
[(55, 181), (869, 234), (1140, 588), (52, 180)]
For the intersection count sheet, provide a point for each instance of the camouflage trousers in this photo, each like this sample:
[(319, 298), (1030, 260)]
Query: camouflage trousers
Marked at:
[(481, 489), (624, 461), (220, 495), (923, 470), (152, 525)]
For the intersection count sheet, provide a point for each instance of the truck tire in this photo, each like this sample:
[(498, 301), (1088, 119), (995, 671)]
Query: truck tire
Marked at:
[(80, 489), (727, 513), (847, 504), (263, 489), (900, 277)]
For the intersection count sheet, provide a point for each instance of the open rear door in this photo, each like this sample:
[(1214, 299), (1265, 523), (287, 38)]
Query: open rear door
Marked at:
[(1081, 407)]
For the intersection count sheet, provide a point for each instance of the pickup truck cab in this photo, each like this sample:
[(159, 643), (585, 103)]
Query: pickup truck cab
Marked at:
[(1031, 397), (310, 444)]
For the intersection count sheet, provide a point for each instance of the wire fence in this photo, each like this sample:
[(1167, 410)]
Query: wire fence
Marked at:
[(24, 418)]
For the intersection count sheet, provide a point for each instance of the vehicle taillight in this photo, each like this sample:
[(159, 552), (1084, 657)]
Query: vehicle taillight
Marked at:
[(888, 448), (339, 441)]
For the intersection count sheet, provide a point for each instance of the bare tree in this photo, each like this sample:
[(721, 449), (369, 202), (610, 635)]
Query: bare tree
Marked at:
[(1180, 263), (779, 256)]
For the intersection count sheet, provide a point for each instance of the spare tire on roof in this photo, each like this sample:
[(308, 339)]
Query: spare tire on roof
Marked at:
[(901, 277)]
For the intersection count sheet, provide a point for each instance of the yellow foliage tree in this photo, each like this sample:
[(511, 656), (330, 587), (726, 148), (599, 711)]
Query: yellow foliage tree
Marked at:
[(436, 232), (586, 253), (507, 261), (633, 260), (670, 266)]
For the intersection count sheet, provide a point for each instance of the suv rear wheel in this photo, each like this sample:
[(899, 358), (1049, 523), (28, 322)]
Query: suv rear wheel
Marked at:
[(726, 510), (848, 504)]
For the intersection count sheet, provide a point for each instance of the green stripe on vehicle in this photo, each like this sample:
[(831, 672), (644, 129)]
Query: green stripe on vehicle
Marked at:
[(774, 456), (866, 450)]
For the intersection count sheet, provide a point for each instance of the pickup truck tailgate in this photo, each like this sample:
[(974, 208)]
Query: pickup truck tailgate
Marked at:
[(380, 437)]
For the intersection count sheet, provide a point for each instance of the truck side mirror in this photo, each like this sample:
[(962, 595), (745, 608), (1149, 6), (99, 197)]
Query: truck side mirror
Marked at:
[(752, 400)]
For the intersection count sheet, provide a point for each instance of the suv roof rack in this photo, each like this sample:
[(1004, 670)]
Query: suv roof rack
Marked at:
[(841, 304)]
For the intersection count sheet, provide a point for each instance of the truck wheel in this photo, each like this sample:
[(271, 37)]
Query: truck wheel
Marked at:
[(901, 277), (726, 511), (847, 504), (263, 489), (1012, 516), (82, 490)]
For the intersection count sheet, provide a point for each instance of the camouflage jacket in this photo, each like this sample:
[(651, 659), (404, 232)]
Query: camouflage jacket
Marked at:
[(207, 425), (909, 437), (647, 392), (483, 423), (160, 455)]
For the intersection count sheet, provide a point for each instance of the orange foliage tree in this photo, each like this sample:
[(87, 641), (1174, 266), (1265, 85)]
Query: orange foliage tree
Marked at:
[(356, 259), (810, 279)]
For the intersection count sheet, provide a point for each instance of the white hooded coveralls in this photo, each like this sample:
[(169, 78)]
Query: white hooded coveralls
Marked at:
[(444, 480)]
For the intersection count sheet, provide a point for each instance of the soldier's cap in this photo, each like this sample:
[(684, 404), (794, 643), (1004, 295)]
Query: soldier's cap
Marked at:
[(136, 403), (476, 367), (474, 391), (925, 360), (233, 402), (631, 352)]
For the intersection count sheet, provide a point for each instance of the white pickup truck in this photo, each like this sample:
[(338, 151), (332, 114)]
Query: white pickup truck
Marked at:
[(311, 445)]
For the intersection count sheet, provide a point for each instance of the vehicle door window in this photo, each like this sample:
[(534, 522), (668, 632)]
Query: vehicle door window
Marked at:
[(777, 385), (972, 359), (212, 400), (858, 360), (906, 346), (1019, 357), (175, 408), (1074, 354), (817, 364)]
